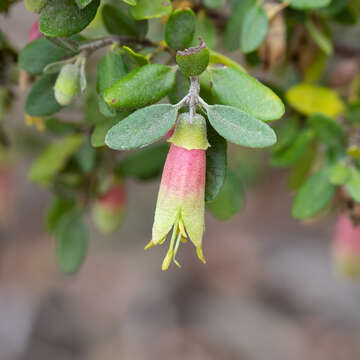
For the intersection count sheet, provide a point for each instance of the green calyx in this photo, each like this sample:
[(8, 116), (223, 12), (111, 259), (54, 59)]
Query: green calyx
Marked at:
[(190, 134), (67, 86), (35, 5), (193, 61)]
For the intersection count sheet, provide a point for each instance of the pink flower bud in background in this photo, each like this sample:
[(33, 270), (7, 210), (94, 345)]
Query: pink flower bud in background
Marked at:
[(34, 32), (110, 208), (346, 247), (181, 201)]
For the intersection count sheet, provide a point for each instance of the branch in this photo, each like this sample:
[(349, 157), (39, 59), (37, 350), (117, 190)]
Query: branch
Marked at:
[(91, 47)]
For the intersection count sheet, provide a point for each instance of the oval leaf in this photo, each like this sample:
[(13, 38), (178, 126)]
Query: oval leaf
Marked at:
[(118, 22), (142, 127), (142, 87), (111, 68), (36, 55), (185, 20), (71, 242), (64, 18), (241, 90), (240, 128), (216, 162), (254, 27), (54, 159), (41, 100), (313, 196), (310, 99), (145, 9)]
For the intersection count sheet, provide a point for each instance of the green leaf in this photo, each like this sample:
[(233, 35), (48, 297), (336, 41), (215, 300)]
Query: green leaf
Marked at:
[(185, 20), (286, 133), (145, 9), (308, 4), (60, 127), (234, 24), (54, 159), (214, 3), (130, 2), (180, 89), (353, 184), (291, 153), (37, 54), (328, 130), (314, 195), (64, 18), (111, 68), (254, 27), (334, 8), (71, 242), (216, 163), (353, 112), (302, 166), (310, 99), (100, 131), (146, 164), (319, 37), (40, 100), (59, 207), (241, 90), (230, 200), (83, 3), (136, 58), (142, 127), (340, 173), (204, 29), (240, 128), (86, 156), (142, 87), (118, 22)]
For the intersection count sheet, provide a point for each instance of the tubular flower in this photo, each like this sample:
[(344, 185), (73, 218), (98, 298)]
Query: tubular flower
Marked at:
[(346, 247), (181, 200)]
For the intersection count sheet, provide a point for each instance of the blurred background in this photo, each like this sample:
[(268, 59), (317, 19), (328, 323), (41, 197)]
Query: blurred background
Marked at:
[(268, 290)]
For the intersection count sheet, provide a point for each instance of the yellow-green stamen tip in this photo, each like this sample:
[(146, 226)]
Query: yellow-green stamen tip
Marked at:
[(167, 260), (200, 254), (149, 245)]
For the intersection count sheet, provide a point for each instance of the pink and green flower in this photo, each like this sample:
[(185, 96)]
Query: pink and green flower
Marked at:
[(181, 201)]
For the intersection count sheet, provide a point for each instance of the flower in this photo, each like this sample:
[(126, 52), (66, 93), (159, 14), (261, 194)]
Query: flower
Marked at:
[(181, 200), (346, 247), (109, 209), (34, 32)]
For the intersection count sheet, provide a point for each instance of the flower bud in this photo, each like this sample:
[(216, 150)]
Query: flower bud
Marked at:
[(34, 32), (35, 5), (190, 135), (67, 86), (109, 210), (193, 61), (346, 247)]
